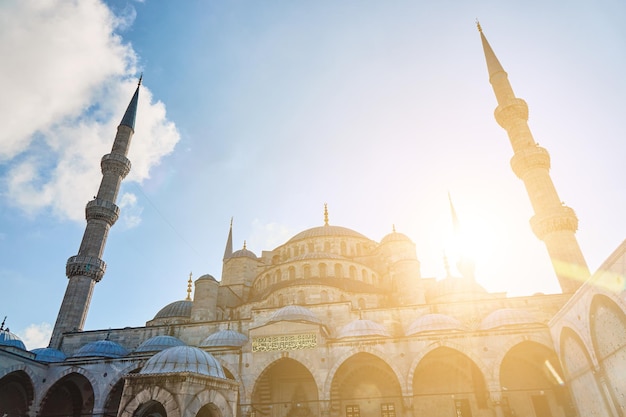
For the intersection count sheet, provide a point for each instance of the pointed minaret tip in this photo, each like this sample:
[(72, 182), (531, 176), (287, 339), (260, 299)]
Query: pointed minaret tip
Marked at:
[(325, 214), (140, 78), (189, 284), (228, 251), (480, 29)]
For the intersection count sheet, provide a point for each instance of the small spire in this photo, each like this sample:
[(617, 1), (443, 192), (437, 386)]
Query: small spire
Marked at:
[(131, 110), (140, 78), (244, 245), (446, 264), (189, 287), (325, 214), (108, 337), (456, 224), (3, 321), (228, 251), (480, 29), (393, 228)]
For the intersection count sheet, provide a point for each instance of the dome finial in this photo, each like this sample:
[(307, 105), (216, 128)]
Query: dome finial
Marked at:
[(325, 214), (3, 321), (140, 78), (244, 245), (189, 287), (393, 228), (480, 29)]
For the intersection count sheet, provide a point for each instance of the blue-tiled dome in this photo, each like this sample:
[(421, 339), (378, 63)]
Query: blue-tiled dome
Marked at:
[(183, 359), (101, 349), (159, 343), (180, 308), (363, 328), (11, 339), (433, 322), (294, 313), (48, 355), (508, 317), (225, 338)]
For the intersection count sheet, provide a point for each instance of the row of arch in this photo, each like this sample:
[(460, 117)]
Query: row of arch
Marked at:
[(321, 270)]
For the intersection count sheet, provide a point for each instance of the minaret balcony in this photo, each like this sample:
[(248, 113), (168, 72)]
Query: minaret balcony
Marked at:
[(87, 266), (512, 112), (116, 163), (101, 209), (559, 220), (528, 159)]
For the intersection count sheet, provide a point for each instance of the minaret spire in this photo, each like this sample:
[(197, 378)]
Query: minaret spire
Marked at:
[(554, 223), (87, 268), (325, 214), (228, 251)]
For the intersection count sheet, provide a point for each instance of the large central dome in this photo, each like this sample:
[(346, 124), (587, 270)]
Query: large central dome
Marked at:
[(326, 230)]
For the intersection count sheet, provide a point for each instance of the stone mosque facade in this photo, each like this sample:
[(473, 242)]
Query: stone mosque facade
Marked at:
[(334, 324)]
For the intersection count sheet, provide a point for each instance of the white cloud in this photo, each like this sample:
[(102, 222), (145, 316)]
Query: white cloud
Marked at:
[(36, 335), (267, 235), (131, 212), (65, 89)]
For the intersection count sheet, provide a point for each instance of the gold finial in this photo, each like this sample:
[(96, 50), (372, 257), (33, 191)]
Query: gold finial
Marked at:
[(189, 287), (140, 78), (325, 214), (244, 245), (480, 29), (393, 228)]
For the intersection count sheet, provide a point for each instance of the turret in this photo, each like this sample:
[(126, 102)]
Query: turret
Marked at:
[(87, 268), (554, 223)]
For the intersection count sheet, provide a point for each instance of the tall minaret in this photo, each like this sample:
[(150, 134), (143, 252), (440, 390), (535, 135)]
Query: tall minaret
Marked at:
[(87, 267), (554, 223)]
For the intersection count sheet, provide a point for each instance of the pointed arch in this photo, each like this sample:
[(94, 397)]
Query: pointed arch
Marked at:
[(16, 393), (72, 394), (150, 397)]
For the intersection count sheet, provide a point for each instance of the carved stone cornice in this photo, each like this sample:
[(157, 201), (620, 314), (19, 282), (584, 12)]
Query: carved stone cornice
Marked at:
[(529, 159), (115, 163), (87, 266), (100, 209), (562, 219)]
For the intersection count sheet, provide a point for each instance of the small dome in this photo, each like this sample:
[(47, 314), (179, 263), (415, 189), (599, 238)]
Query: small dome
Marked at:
[(208, 277), (180, 308), (395, 237), (294, 313), (433, 322), (183, 359), (11, 339), (243, 253), (225, 338), (327, 230), (508, 317), (363, 328), (159, 343), (48, 355), (101, 349)]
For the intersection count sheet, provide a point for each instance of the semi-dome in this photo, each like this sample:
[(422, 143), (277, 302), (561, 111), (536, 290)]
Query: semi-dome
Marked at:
[(294, 313), (225, 338), (243, 253), (327, 230), (395, 237), (183, 359), (159, 343), (180, 308), (102, 349), (363, 328), (11, 339), (433, 322), (508, 317), (48, 355)]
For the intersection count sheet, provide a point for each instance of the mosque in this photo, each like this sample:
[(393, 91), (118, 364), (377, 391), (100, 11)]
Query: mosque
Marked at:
[(334, 324)]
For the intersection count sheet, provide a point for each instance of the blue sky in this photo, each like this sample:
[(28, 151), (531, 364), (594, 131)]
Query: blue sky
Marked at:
[(264, 111)]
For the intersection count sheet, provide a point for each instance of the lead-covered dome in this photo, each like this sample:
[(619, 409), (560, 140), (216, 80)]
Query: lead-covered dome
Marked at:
[(508, 317), (177, 309), (433, 322), (243, 253), (159, 343), (294, 313), (101, 349), (183, 359), (363, 328), (395, 237), (11, 339), (225, 338), (326, 231), (48, 355)]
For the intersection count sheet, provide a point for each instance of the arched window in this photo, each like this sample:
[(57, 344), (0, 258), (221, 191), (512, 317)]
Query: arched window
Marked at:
[(307, 271), (311, 247), (352, 272), (364, 275), (278, 276), (292, 272), (322, 269), (361, 303), (327, 247), (338, 271), (344, 249)]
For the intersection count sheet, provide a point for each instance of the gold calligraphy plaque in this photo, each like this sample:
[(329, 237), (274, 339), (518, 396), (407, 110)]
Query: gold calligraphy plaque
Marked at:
[(287, 342)]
